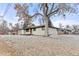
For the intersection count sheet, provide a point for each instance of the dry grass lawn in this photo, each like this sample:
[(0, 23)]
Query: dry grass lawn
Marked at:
[(6, 48), (39, 46)]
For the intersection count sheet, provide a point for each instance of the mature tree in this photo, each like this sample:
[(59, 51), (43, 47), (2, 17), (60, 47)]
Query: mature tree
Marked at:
[(16, 27), (41, 21), (46, 10), (11, 26), (60, 26), (76, 29), (3, 27), (22, 12), (49, 10), (68, 27)]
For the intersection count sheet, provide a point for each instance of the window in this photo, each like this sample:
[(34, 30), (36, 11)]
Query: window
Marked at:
[(43, 28), (34, 29), (27, 30)]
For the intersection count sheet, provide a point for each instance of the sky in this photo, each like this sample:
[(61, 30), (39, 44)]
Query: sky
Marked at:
[(10, 16)]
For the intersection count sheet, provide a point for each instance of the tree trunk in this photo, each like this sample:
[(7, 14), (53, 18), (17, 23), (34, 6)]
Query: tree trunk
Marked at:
[(30, 31), (50, 23), (46, 26)]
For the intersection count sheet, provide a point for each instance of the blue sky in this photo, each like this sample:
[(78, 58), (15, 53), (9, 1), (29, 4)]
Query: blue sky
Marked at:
[(10, 17)]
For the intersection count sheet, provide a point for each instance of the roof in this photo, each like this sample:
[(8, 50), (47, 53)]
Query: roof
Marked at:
[(65, 30), (38, 27)]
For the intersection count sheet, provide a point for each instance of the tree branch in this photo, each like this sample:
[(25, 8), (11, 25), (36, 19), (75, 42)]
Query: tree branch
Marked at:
[(46, 5), (36, 14), (51, 8), (54, 12)]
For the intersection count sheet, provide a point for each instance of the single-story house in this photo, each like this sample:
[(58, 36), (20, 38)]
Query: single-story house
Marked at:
[(64, 31), (37, 30), (13, 32), (2, 33)]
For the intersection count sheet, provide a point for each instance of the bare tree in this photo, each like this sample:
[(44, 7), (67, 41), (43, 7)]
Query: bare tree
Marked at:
[(60, 26), (3, 27), (75, 29), (47, 10), (10, 25), (22, 12), (16, 27), (68, 27)]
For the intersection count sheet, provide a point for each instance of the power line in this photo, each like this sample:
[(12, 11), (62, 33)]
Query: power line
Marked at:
[(6, 10)]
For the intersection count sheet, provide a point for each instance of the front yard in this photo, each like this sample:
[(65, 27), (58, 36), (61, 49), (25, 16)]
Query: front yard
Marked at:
[(39, 45)]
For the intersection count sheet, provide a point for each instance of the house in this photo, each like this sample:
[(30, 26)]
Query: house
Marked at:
[(12, 32), (64, 31), (2, 33), (37, 30)]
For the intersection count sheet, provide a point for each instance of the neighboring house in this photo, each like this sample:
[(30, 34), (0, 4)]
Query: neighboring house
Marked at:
[(37, 30), (2, 33), (12, 32), (64, 31)]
